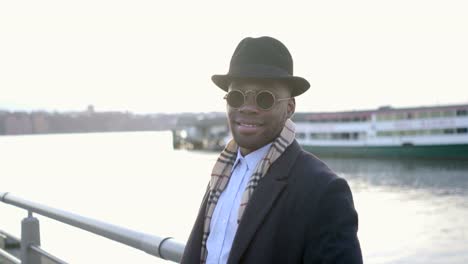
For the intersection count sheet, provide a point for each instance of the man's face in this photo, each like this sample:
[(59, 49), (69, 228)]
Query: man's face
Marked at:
[(252, 127)]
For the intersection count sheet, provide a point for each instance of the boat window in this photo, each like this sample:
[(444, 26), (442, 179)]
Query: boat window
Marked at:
[(314, 135), (337, 136), (462, 112), (448, 113), (384, 133), (421, 132), (384, 117), (423, 114), (425, 132), (400, 116), (300, 135)]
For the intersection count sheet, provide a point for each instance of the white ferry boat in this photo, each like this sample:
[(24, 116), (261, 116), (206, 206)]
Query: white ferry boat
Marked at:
[(424, 132)]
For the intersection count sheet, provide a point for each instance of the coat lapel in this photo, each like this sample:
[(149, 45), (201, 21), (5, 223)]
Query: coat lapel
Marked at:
[(262, 200)]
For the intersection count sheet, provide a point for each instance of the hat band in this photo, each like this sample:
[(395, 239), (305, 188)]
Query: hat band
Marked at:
[(257, 71)]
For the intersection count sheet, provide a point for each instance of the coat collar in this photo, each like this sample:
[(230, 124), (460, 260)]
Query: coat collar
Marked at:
[(263, 198)]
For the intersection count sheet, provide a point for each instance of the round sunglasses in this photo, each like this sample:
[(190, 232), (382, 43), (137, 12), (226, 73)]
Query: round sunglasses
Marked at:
[(264, 99)]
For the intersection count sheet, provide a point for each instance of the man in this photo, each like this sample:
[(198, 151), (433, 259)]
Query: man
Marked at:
[(269, 201)]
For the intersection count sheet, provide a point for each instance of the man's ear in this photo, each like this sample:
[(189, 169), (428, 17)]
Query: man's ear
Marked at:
[(291, 107)]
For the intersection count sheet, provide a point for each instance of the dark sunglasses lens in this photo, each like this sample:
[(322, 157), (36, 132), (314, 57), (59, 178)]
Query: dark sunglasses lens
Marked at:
[(235, 99), (265, 100)]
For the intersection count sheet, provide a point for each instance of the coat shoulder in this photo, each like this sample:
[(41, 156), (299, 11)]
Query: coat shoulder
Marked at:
[(308, 168)]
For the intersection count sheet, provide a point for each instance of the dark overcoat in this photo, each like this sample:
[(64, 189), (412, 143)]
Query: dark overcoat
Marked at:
[(300, 212)]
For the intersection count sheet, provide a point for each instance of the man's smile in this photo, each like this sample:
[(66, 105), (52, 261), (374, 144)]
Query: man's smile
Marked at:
[(248, 127)]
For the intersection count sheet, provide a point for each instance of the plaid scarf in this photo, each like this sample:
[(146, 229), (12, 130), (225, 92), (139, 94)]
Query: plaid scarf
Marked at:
[(222, 172)]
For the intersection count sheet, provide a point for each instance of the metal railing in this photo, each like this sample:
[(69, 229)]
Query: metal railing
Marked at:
[(8, 257), (31, 253), (9, 245), (6, 241)]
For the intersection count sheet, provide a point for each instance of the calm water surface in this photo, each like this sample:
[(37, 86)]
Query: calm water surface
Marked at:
[(409, 211)]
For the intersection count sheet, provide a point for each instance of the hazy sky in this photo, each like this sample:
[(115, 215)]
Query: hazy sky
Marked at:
[(158, 56)]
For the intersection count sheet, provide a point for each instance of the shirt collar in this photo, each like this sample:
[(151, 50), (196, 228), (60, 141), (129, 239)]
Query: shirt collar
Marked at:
[(252, 158)]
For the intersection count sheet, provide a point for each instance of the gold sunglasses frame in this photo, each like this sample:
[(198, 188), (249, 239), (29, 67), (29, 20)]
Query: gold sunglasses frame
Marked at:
[(275, 100)]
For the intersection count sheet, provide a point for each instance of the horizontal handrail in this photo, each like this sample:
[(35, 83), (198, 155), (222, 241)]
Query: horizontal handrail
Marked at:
[(46, 255), (8, 257), (5, 254), (6, 234), (166, 248)]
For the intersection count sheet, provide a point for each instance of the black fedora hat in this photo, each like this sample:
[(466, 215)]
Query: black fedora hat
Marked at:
[(262, 58)]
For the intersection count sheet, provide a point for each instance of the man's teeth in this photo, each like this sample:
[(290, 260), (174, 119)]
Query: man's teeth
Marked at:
[(248, 125)]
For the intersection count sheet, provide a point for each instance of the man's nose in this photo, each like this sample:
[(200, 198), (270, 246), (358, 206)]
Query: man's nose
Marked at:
[(250, 106)]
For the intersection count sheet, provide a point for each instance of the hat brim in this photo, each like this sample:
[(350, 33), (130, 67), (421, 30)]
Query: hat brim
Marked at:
[(298, 85)]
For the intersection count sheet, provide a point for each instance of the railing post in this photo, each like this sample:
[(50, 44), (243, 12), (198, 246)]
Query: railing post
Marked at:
[(30, 235)]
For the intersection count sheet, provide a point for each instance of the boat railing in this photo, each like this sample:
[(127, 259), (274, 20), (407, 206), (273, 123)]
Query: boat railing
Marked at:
[(31, 253)]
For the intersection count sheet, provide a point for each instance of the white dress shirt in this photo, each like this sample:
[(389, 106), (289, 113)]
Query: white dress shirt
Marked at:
[(223, 225)]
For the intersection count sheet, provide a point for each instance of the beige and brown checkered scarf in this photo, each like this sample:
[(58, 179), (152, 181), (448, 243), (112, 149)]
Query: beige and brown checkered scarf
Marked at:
[(222, 172)]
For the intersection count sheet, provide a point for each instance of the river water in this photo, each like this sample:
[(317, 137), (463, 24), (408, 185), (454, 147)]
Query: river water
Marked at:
[(410, 211)]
